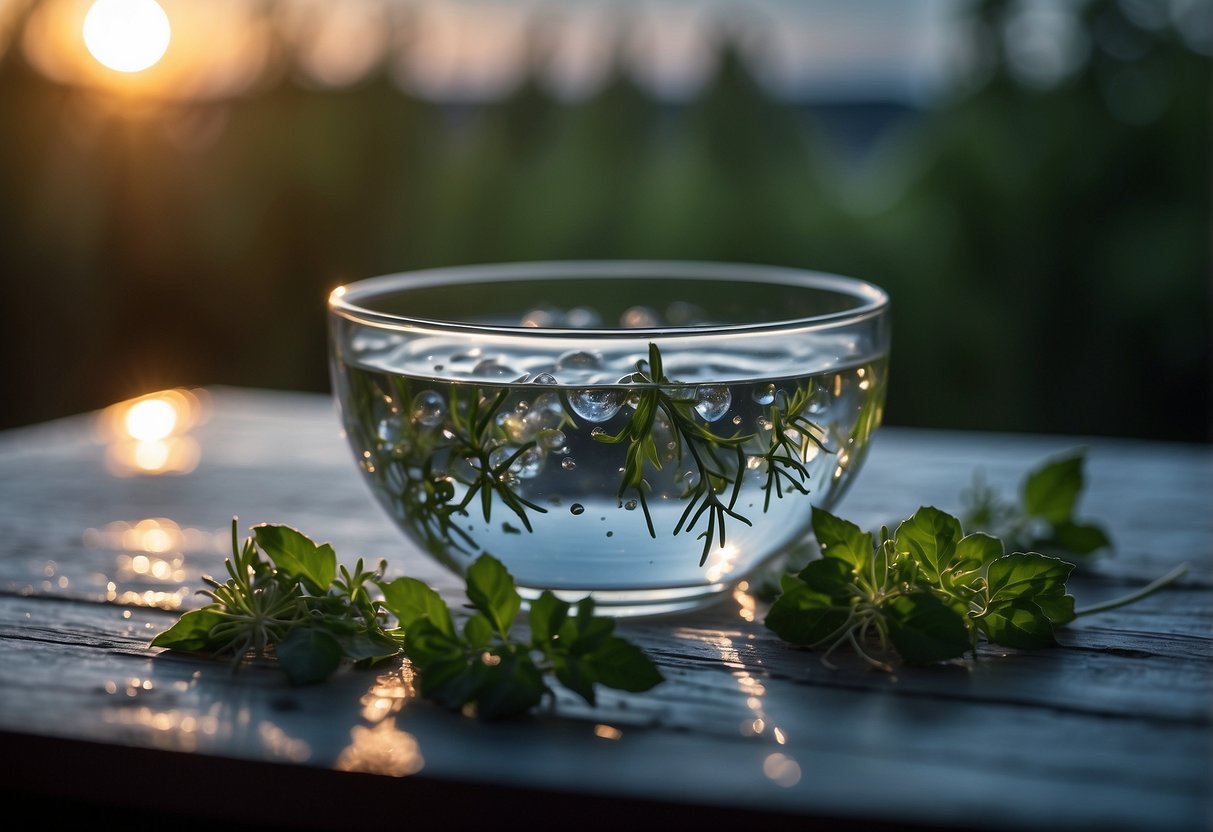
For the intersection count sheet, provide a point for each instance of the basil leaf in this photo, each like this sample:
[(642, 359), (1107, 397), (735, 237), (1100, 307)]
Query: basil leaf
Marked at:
[(410, 600), (548, 614), (622, 665), (841, 539), (490, 588), (929, 536), (1079, 538), (191, 632), (1051, 491), (477, 631), (309, 655), (805, 617), (1017, 623), (510, 687), (924, 629), (1027, 575), (296, 555)]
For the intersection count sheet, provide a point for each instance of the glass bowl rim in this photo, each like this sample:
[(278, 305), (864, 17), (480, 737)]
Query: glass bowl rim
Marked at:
[(344, 300)]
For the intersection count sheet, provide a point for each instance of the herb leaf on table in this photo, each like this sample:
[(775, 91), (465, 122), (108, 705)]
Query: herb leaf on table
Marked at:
[(1043, 518), (286, 597), (929, 592)]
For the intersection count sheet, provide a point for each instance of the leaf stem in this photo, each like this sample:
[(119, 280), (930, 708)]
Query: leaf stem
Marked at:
[(1149, 589)]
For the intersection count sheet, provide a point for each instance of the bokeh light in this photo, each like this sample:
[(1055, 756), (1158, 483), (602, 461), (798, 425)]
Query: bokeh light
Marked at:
[(127, 35)]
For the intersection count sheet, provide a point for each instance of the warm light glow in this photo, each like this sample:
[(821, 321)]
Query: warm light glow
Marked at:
[(147, 435), (151, 419), (127, 35)]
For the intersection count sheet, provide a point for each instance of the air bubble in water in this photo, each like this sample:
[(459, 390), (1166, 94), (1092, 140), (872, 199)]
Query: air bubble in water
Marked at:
[(764, 394), (712, 401), (630, 505), (428, 408), (552, 438), (491, 368), (737, 420), (820, 401), (579, 360), (527, 464), (568, 464), (576, 508), (538, 318), (596, 404)]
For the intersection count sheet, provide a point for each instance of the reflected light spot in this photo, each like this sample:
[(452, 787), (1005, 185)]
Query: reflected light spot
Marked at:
[(720, 562), (381, 749), (781, 769), (127, 35), (607, 732), (281, 744)]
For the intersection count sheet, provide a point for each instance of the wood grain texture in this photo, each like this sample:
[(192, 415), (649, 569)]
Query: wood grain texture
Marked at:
[(1111, 730)]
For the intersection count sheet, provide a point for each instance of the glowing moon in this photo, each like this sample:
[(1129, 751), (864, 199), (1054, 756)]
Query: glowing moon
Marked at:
[(126, 35)]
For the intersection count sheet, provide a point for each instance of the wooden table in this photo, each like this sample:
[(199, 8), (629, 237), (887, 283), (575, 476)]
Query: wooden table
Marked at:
[(1109, 731)]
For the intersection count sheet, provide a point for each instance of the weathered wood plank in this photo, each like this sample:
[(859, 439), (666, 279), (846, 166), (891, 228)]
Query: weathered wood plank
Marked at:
[(1111, 730)]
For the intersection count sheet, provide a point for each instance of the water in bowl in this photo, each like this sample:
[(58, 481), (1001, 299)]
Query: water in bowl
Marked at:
[(588, 474)]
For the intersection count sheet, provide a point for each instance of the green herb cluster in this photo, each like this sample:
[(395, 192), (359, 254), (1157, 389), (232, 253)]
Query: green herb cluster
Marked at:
[(1043, 518), (485, 667), (927, 592), (287, 597)]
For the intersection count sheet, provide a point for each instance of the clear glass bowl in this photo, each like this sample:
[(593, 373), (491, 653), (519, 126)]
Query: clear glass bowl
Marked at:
[(647, 432)]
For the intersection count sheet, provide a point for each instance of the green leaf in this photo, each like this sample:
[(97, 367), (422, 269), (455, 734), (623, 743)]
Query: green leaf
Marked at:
[(924, 629), (1078, 538), (548, 614), (830, 577), (478, 632), (410, 600), (929, 537), (1027, 575), (979, 548), (447, 675), (309, 655), (510, 688), (586, 632), (805, 617), (490, 588), (1058, 609), (293, 553), (1051, 491), (1017, 623), (622, 665), (577, 674), (366, 645), (191, 633), (842, 539)]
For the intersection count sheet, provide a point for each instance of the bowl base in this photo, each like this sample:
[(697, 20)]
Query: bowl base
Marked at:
[(636, 603)]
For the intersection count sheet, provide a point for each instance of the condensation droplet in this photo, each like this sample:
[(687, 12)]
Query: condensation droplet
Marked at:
[(544, 378), (764, 394), (576, 508), (596, 404), (428, 408), (712, 401)]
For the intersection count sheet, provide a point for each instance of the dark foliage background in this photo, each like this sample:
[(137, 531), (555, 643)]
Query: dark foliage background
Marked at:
[(1047, 249)]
